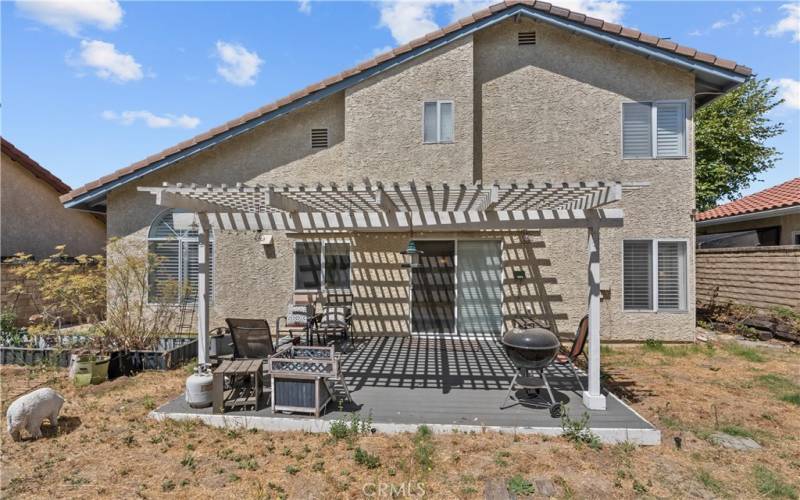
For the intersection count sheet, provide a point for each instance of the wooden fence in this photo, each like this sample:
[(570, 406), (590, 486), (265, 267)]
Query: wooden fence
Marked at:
[(764, 277)]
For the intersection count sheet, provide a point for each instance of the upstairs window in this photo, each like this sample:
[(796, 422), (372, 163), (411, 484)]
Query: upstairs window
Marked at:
[(654, 275), (654, 129), (173, 277), (438, 122)]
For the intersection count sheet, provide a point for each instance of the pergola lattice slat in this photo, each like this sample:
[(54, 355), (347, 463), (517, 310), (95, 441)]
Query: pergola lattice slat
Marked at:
[(398, 198)]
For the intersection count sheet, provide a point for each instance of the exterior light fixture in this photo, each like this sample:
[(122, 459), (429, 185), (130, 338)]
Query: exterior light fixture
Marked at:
[(413, 254)]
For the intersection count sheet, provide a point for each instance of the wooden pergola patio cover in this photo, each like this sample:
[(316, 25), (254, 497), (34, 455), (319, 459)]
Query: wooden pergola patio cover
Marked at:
[(400, 208)]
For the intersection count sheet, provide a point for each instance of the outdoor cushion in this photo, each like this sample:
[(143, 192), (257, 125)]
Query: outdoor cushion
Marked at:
[(298, 315)]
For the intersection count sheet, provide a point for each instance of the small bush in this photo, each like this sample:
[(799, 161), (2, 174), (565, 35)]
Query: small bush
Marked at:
[(168, 485), (351, 428), (292, 469), (423, 447), (769, 484), (148, 403), (793, 398), (578, 431), (365, 458), (518, 485)]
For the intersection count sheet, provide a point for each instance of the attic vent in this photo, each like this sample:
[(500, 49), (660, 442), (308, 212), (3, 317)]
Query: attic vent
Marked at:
[(319, 138), (526, 38)]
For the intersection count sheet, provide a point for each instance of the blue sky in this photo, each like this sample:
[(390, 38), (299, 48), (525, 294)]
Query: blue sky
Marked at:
[(88, 88)]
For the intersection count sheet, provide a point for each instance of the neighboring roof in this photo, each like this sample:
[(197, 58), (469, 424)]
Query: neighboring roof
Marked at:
[(33, 167), (725, 73), (780, 196)]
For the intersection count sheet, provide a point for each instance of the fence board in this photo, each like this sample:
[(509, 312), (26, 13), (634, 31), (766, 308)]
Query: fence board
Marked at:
[(763, 277)]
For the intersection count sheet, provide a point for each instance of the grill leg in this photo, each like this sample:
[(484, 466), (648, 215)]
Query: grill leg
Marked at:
[(508, 393), (547, 386)]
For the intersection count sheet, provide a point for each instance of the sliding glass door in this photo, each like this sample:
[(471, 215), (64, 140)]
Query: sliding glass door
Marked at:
[(479, 288)]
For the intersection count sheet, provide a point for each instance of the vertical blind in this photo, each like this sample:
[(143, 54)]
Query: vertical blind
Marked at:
[(670, 120), (431, 122), (637, 135), (480, 287), (637, 275), (672, 275), (173, 277)]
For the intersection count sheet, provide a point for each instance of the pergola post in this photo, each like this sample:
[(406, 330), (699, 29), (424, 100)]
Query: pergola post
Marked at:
[(203, 269), (593, 399)]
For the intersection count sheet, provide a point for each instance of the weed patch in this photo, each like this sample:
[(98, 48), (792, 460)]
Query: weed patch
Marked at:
[(708, 481), (520, 486), (578, 431), (769, 484), (744, 352), (366, 459), (423, 447)]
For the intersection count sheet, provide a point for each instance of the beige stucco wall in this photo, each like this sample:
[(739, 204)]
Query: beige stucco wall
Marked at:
[(547, 112), (552, 111), (789, 224), (34, 221)]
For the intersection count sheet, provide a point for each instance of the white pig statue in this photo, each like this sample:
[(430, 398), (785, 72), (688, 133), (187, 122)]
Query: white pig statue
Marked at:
[(28, 412)]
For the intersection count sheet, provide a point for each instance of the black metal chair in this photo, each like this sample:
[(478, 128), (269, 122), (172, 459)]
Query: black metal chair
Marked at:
[(252, 338)]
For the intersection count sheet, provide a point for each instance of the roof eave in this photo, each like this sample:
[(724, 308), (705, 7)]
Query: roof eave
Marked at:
[(713, 73), (762, 214)]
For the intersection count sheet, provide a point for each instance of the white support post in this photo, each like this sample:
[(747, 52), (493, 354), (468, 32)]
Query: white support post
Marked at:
[(203, 270), (593, 399)]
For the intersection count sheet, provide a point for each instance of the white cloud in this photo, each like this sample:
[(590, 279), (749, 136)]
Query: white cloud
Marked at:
[(789, 24), (410, 19), (69, 16), (789, 90), (152, 120), (238, 65), (107, 62), (304, 6), (730, 21)]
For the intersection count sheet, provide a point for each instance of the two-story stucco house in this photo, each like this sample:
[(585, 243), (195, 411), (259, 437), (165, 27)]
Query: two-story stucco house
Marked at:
[(540, 159)]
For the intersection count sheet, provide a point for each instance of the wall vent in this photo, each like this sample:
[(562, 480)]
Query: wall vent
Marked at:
[(526, 38), (319, 138)]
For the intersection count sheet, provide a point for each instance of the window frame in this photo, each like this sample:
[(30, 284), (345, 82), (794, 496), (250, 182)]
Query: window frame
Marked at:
[(183, 265), (795, 238), (654, 130), (439, 103), (323, 244), (654, 276)]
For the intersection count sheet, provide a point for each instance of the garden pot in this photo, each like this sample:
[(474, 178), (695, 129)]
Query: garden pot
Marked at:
[(100, 369), (81, 369), (120, 364)]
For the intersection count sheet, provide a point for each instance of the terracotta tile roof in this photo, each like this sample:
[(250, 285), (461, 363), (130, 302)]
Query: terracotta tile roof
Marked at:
[(780, 196), (33, 167), (599, 24)]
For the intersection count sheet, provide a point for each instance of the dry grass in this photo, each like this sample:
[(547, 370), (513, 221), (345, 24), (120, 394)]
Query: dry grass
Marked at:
[(106, 447)]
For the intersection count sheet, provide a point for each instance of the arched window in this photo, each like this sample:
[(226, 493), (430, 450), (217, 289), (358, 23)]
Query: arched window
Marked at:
[(173, 278)]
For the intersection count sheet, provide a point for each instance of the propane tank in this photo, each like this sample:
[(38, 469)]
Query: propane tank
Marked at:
[(198, 389)]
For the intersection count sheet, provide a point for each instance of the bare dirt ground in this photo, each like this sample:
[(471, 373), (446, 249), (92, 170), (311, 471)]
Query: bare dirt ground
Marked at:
[(105, 446)]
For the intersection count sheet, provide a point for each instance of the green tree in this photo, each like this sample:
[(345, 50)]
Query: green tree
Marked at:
[(730, 141)]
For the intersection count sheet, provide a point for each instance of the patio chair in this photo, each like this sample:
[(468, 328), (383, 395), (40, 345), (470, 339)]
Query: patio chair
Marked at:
[(299, 317), (334, 321), (252, 338), (569, 356)]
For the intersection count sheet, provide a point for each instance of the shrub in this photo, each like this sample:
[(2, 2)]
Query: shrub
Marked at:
[(63, 288), (578, 431), (518, 485), (365, 458)]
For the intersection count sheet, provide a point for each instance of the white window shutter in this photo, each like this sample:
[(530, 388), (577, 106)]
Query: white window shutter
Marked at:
[(446, 122), (637, 133), (672, 275), (430, 123), (637, 275), (670, 129)]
